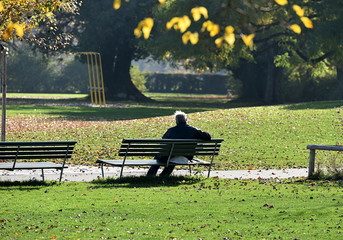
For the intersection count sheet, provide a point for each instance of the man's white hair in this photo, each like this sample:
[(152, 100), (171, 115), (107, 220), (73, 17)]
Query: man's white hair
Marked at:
[(180, 117)]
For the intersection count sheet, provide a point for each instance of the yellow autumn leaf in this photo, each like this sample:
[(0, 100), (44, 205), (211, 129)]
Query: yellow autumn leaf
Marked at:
[(172, 22), (215, 29), (307, 22), (219, 42), (6, 35), (230, 38), (295, 28), (145, 27), (184, 23), (1, 7), (19, 28), (193, 38), (248, 39), (9, 27), (298, 10), (137, 32), (281, 2), (206, 25), (197, 12), (49, 14), (211, 27), (162, 1), (185, 37), (116, 4), (229, 30)]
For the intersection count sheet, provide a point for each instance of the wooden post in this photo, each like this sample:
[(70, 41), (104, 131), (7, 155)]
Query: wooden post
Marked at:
[(3, 78), (311, 162), (95, 76)]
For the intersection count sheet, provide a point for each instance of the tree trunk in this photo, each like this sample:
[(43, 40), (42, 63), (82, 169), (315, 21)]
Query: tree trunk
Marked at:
[(338, 93), (246, 72), (339, 75), (274, 80), (117, 76)]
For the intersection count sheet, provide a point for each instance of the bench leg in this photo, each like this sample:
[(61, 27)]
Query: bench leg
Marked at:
[(190, 169), (121, 171), (311, 162), (61, 174), (43, 174), (209, 171), (102, 170)]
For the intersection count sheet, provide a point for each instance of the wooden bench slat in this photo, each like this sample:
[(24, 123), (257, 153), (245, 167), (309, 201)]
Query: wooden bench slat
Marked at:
[(52, 143), (35, 157), (32, 165), (175, 153), (36, 148), (37, 153), (150, 162), (148, 154), (169, 140), (326, 147)]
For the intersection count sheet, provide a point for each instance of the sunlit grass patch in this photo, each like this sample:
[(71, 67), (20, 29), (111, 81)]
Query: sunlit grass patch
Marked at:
[(205, 209), (47, 96)]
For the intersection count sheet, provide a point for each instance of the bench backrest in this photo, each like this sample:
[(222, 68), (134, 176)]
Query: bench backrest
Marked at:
[(325, 147), (36, 150), (169, 147)]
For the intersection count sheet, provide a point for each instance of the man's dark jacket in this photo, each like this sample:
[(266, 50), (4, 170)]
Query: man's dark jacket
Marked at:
[(184, 131)]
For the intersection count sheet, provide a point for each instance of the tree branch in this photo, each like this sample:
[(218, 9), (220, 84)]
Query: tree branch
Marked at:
[(314, 60), (272, 36)]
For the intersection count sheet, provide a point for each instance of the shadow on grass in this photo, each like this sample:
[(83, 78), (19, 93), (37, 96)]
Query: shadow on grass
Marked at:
[(87, 113), (315, 105), (84, 113), (146, 181), (29, 184)]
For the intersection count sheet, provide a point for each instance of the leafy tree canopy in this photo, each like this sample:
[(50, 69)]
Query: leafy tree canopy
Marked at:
[(211, 18), (20, 17)]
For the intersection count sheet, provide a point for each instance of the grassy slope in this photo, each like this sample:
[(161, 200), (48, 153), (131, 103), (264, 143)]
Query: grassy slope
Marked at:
[(258, 137)]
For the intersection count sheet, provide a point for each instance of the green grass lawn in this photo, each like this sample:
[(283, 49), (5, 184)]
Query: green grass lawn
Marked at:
[(254, 137), (176, 208)]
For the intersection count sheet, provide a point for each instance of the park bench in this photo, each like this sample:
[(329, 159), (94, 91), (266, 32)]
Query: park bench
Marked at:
[(312, 157), (16, 155), (163, 148)]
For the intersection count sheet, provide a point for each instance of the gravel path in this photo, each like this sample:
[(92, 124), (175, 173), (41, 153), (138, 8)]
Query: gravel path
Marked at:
[(88, 173)]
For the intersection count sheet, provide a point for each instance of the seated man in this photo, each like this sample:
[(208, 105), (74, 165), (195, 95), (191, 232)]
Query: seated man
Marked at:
[(181, 131)]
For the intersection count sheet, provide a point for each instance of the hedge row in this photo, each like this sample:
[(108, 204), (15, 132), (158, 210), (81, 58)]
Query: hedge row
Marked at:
[(186, 83)]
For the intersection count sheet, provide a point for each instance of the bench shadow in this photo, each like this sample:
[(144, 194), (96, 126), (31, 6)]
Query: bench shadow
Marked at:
[(146, 181), (27, 185)]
